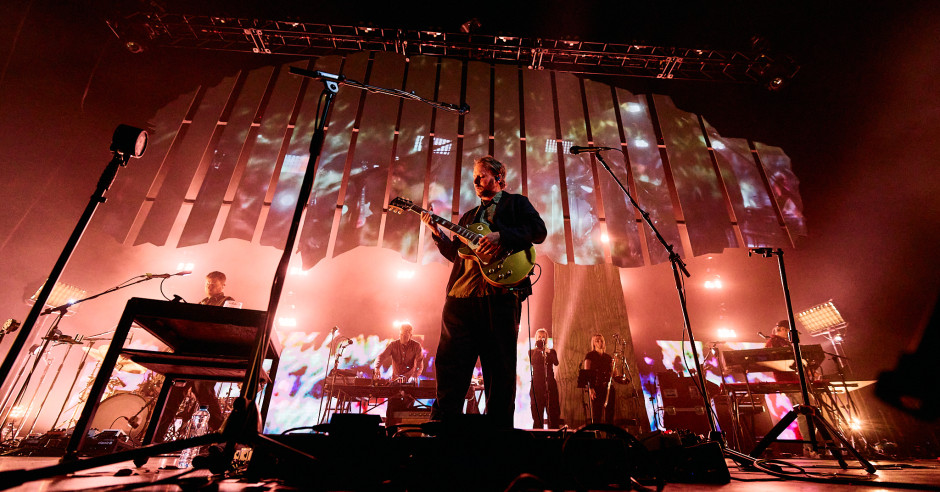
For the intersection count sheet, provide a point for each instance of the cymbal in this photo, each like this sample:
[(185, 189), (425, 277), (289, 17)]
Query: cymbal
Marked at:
[(126, 365), (123, 363)]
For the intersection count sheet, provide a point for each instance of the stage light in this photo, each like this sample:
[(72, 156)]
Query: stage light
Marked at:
[(605, 238), (470, 26), (129, 141), (405, 274), (640, 143), (185, 267), (292, 322), (726, 334), (715, 283), (298, 271)]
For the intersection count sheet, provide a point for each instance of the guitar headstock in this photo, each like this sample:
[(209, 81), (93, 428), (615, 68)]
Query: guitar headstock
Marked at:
[(399, 205)]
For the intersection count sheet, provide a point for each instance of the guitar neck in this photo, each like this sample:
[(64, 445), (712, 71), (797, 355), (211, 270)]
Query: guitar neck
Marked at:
[(455, 228)]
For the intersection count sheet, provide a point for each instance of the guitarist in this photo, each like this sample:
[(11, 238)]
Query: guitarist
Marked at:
[(481, 319)]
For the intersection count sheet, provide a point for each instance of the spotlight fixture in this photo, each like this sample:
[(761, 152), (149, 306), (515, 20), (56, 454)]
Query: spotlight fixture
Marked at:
[(470, 26), (128, 141)]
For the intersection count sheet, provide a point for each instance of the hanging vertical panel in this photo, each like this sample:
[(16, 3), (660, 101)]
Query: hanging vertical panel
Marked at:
[(176, 175), (622, 233), (506, 125), (476, 126), (368, 172), (294, 166), (749, 197), (785, 187), (649, 177), (442, 194), (410, 167), (224, 158), (127, 197), (249, 199), (697, 186), (579, 175), (542, 161), (318, 223)]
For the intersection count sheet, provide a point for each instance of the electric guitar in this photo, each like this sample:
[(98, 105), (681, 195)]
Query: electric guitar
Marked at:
[(505, 268)]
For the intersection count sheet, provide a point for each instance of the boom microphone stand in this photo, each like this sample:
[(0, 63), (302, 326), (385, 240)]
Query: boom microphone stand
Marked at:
[(812, 415), (677, 266)]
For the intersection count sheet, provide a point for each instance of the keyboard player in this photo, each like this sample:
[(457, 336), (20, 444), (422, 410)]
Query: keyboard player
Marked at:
[(780, 337), (407, 357)]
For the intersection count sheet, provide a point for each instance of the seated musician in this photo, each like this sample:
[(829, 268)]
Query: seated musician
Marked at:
[(203, 391), (780, 337), (407, 357)]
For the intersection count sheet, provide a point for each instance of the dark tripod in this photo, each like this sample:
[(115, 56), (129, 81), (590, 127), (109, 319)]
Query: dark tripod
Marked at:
[(809, 412)]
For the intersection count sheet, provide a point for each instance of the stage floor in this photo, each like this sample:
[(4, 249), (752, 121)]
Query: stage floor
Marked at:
[(892, 475)]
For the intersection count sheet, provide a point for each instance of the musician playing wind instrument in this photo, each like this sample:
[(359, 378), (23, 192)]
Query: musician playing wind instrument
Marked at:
[(480, 316)]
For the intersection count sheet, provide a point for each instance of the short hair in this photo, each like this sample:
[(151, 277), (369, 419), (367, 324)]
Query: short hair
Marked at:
[(216, 275), (406, 326), (541, 330), (783, 324), (495, 167)]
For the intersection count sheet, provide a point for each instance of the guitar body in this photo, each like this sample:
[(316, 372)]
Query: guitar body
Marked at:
[(505, 268)]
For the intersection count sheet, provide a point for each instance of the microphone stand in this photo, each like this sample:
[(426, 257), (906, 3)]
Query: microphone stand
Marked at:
[(807, 411), (678, 265)]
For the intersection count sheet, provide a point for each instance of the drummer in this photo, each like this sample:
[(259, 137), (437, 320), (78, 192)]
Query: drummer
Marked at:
[(204, 391)]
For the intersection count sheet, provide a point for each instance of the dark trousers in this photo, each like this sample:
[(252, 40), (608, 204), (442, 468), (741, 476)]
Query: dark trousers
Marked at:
[(204, 391), (544, 399), (484, 327), (599, 413)]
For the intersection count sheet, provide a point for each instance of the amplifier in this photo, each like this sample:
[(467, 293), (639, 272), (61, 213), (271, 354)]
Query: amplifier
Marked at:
[(408, 417)]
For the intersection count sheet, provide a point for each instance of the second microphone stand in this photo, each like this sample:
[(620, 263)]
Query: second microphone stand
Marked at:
[(677, 266)]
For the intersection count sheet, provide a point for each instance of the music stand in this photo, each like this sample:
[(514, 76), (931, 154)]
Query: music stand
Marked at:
[(812, 415), (585, 376), (824, 320)]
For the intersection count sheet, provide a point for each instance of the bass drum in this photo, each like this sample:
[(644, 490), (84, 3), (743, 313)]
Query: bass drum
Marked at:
[(127, 412)]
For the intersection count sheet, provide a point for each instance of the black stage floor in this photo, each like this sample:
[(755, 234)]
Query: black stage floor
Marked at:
[(821, 475)]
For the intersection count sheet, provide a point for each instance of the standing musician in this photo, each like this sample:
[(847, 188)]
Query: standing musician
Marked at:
[(204, 391), (544, 394), (481, 319), (603, 403)]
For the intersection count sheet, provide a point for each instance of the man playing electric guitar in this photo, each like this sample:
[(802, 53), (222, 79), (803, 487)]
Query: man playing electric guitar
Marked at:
[(480, 317)]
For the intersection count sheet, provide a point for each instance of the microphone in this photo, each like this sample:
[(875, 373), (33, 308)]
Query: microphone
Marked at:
[(316, 74), (464, 108), (167, 275), (334, 329), (765, 337), (577, 150)]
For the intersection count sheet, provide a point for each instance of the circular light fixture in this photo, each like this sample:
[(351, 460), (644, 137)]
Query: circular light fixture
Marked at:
[(129, 141)]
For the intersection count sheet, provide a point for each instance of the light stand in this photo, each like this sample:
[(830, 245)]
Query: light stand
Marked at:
[(809, 412), (677, 266), (126, 142)]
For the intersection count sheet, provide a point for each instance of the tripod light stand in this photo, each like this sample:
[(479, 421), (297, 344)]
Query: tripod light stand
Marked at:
[(809, 412)]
